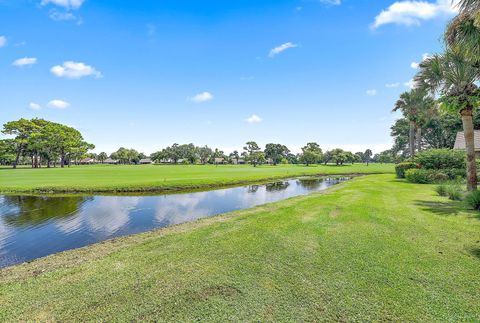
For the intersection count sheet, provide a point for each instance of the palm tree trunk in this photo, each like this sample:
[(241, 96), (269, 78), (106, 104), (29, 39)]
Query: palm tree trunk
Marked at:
[(419, 138), (470, 148), (411, 139)]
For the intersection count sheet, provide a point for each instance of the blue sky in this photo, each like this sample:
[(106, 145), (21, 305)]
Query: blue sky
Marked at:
[(145, 74)]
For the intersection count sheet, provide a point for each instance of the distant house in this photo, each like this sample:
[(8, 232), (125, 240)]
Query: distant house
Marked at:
[(460, 142), (219, 160), (87, 161), (110, 161), (145, 161), (239, 162)]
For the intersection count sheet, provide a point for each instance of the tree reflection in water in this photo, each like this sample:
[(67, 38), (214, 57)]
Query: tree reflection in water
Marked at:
[(25, 211)]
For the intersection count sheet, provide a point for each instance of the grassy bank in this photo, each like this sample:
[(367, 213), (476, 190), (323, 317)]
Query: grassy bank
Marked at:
[(108, 178), (374, 248)]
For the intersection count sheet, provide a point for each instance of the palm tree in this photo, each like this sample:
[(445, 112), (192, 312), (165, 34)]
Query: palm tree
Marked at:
[(414, 106), (453, 76), (464, 30)]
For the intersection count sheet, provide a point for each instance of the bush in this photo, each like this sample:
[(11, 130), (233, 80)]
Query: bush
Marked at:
[(473, 200), (455, 192), (441, 190), (418, 176), (401, 168), (429, 176), (441, 159)]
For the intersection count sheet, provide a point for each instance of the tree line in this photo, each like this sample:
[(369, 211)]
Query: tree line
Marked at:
[(41, 142), (44, 143), (446, 94)]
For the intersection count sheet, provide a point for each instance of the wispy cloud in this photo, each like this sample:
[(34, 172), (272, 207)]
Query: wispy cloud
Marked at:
[(75, 70), (26, 61), (392, 85), (332, 2), (35, 106), (3, 41), (67, 4), (372, 92), (202, 97), (416, 65), (410, 84), (62, 16), (411, 13), (254, 119), (58, 104), (277, 50)]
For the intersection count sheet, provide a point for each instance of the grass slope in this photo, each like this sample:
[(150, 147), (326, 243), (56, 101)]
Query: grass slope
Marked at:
[(105, 178), (373, 248)]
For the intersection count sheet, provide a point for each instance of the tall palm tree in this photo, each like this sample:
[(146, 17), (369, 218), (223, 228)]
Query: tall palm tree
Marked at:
[(415, 106), (453, 76), (469, 5), (464, 29)]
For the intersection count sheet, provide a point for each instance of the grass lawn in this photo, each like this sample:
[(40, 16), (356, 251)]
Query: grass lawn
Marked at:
[(371, 249), (105, 178)]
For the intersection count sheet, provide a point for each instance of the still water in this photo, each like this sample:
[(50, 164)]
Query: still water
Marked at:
[(33, 226)]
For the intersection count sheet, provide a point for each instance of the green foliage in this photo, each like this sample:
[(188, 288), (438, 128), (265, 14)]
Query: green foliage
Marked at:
[(441, 159), (418, 176), (441, 189), (473, 200), (276, 152), (311, 154), (46, 141), (429, 176), (401, 168), (455, 192)]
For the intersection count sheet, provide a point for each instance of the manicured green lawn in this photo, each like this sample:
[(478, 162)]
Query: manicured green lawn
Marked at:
[(371, 249), (104, 178)]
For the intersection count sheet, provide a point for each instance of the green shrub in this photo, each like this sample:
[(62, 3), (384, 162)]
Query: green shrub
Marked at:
[(473, 200), (401, 168), (430, 176), (418, 176), (455, 192), (441, 159), (441, 190)]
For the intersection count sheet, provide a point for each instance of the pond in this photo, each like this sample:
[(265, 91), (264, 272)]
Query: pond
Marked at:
[(37, 226)]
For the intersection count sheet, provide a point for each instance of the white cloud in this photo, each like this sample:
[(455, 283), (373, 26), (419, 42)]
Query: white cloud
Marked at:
[(410, 84), (67, 4), (254, 119), (277, 50), (58, 104), (416, 65), (74, 70), (392, 85), (25, 61), (372, 92), (412, 13), (332, 2), (62, 16), (3, 41), (202, 97), (34, 106)]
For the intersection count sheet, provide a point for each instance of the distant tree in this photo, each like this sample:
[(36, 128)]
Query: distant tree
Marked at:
[(276, 152), (367, 156), (204, 153), (102, 157), (7, 151), (359, 157), (253, 153), (235, 156), (311, 154), (21, 130)]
